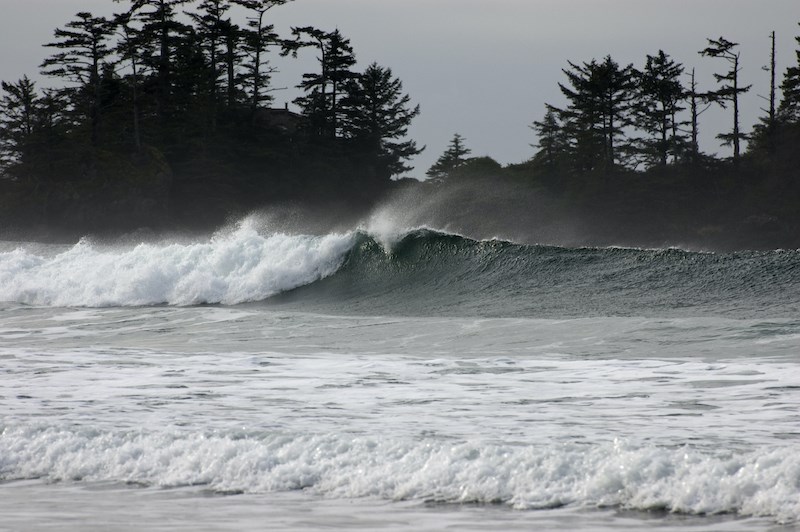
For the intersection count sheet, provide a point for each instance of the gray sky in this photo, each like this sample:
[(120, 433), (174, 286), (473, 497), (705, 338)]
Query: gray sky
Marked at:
[(485, 68)]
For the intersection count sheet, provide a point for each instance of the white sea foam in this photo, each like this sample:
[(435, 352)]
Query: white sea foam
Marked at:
[(758, 483), (229, 268)]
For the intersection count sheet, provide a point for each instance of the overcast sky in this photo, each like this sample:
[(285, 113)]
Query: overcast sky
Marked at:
[(485, 68)]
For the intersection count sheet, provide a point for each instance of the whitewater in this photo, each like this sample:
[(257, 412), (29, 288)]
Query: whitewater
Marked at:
[(387, 378)]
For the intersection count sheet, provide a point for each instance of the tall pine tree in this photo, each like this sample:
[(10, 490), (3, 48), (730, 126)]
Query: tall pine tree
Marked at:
[(598, 110), (163, 33), (454, 156), (19, 105), (551, 142), (326, 89), (729, 91), (85, 47), (789, 109), (377, 118), (659, 97), (209, 24), (258, 38)]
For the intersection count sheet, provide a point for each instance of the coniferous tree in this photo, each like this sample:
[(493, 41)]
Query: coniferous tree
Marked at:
[(581, 118), (221, 38), (189, 115), (771, 111), (232, 37), (659, 98), (789, 109), (209, 22), (614, 86), (18, 115), (730, 89), (551, 142), (84, 45), (325, 90), (699, 103), (765, 129), (257, 38), (163, 32), (130, 49), (453, 157), (377, 118), (598, 111), (32, 132)]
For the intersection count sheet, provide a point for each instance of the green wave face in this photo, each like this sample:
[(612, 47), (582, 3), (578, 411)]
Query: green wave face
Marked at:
[(428, 273)]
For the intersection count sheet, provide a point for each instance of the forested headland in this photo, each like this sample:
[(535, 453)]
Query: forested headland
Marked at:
[(163, 116), (622, 156)]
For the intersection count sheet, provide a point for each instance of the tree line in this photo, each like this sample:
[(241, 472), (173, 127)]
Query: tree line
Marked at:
[(171, 101), (164, 112), (623, 118), (623, 150)]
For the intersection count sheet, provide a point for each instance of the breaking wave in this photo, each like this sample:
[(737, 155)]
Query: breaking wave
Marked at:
[(229, 268), (416, 272), (685, 480)]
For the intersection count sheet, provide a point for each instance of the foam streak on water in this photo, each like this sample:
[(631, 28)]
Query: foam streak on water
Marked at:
[(528, 413)]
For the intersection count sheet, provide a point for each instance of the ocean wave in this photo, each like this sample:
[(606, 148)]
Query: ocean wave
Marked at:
[(685, 480), (427, 272), (408, 272)]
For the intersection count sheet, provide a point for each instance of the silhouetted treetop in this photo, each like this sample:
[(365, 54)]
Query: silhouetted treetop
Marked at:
[(789, 109), (729, 90), (377, 115), (454, 156), (657, 104)]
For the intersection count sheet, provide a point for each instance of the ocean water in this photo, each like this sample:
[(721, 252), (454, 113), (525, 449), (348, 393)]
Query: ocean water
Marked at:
[(396, 380)]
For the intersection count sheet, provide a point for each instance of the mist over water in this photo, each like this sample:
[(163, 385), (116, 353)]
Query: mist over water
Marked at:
[(482, 210), (485, 208)]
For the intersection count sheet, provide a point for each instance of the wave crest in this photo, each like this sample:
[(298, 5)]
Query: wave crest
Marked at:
[(231, 268), (412, 272)]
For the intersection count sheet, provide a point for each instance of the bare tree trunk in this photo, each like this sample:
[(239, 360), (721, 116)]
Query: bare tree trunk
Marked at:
[(736, 149), (257, 63), (230, 42), (163, 65), (95, 82), (137, 135), (695, 148), (664, 136), (772, 84)]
